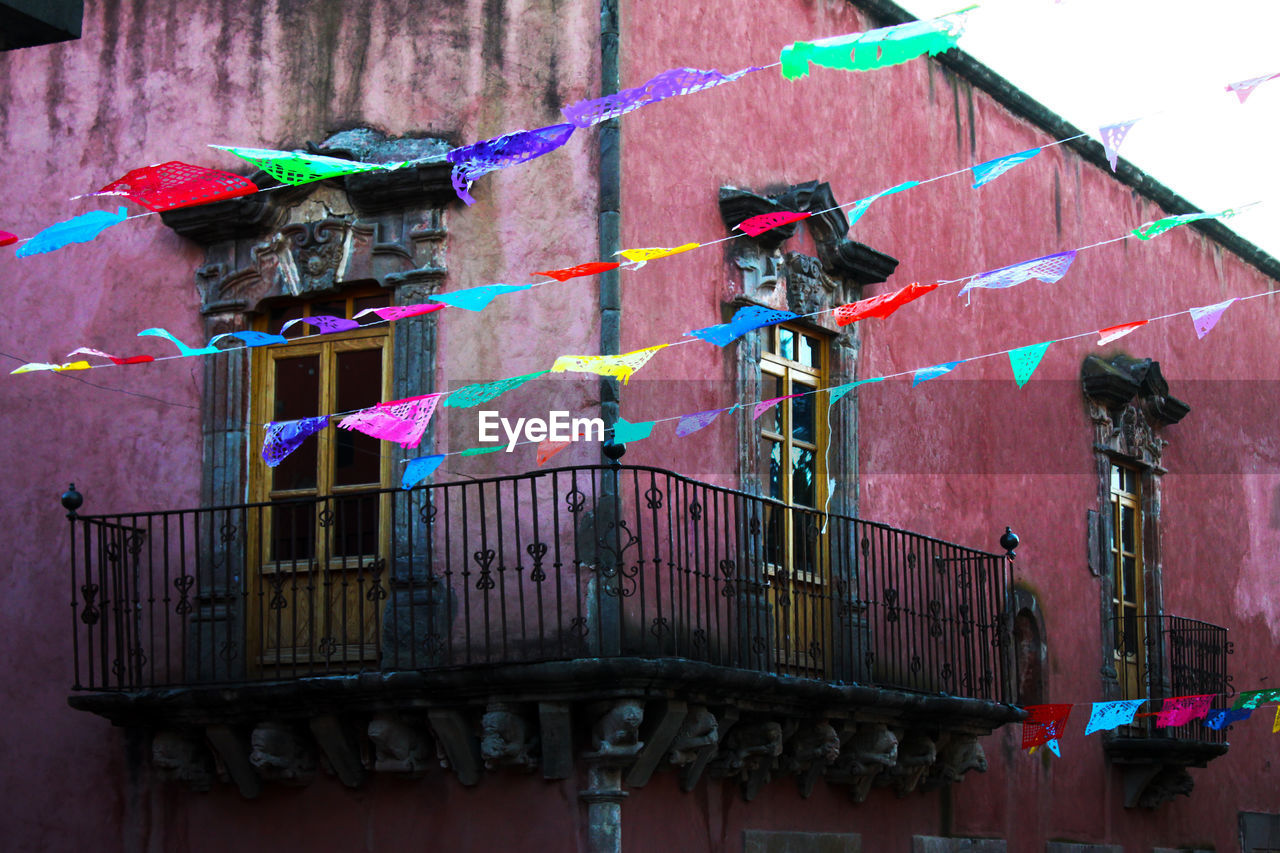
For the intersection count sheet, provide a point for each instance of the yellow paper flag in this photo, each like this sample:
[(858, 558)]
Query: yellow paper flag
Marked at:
[(38, 365), (1275, 727), (618, 366), (642, 255)]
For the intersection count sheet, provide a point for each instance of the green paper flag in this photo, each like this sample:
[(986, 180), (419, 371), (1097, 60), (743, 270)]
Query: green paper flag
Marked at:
[(873, 49), (1155, 229), (294, 167), (624, 432), (483, 392), (836, 394), (481, 451), (1025, 360)]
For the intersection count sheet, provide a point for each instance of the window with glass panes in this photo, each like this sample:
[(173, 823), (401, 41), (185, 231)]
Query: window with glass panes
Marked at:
[(325, 526), (1127, 594)]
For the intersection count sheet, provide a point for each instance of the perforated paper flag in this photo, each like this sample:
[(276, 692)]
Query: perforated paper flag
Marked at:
[(326, 323), (1155, 229), (1111, 715), (676, 81), (294, 167), (481, 451), (1244, 88), (1112, 135), (1180, 710), (114, 359), (480, 158), (1043, 724), (765, 405), (744, 320), (985, 173), (1220, 718), (183, 348), (618, 366), (698, 420), (625, 431), (35, 366), (251, 338), (872, 49), (1275, 726), (642, 256), (478, 298), (924, 374), (483, 392), (549, 448), (1251, 699), (836, 394), (80, 229), (177, 184), (399, 312), (420, 469), (284, 437), (593, 268), (1115, 333), (7, 239), (882, 305), (757, 225), (402, 421), (1207, 316), (860, 206), (1025, 360), (1053, 747), (1049, 268)]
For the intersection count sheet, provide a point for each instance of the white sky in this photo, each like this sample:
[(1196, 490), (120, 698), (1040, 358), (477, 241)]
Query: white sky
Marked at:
[(1098, 62)]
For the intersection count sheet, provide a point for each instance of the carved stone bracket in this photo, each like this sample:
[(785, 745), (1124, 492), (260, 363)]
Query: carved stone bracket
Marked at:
[(1129, 401)]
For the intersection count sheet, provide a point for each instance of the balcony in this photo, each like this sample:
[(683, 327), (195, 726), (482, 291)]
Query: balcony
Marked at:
[(696, 626), (1159, 657)]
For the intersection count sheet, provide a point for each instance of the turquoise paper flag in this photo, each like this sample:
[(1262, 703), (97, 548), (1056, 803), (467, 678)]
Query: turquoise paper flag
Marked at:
[(183, 348), (860, 206), (624, 432), (483, 392), (984, 173), (420, 469), (836, 394), (872, 49), (1111, 715), (924, 374), (1025, 360), (79, 229), (477, 298), (481, 451)]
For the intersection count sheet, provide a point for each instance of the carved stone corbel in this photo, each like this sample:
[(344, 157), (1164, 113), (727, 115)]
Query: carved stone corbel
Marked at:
[(281, 754), (958, 753), (698, 730), (617, 731), (866, 750), (507, 739), (182, 757), (399, 748), (916, 753), (809, 752)]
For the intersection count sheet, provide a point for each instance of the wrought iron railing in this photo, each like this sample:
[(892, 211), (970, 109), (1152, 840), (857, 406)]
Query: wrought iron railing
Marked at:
[(1160, 657), (550, 565)]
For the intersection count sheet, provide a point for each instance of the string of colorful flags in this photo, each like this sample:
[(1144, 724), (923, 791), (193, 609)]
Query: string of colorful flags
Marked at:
[(1045, 724)]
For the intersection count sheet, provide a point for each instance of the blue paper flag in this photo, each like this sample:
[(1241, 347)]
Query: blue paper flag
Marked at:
[(252, 339), (420, 469), (992, 169), (836, 394), (746, 319), (860, 206), (1110, 715), (477, 298), (924, 374), (1220, 718), (284, 437), (80, 229), (624, 431), (183, 348), (1053, 747)]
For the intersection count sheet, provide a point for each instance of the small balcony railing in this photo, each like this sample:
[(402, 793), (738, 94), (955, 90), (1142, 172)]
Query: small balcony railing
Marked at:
[(551, 565), (1160, 657)]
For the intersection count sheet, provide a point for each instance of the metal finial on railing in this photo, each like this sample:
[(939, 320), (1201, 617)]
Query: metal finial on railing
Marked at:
[(613, 452), (1008, 542), (71, 501)]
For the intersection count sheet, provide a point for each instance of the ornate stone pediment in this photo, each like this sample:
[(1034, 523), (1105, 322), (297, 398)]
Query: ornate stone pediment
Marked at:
[(1129, 400)]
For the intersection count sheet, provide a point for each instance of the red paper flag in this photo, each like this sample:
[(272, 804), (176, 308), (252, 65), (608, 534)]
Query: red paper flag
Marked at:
[(757, 225), (1115, 333), (1044, 723), (882, 305), (592, 268), (7, 239), (178, 184)]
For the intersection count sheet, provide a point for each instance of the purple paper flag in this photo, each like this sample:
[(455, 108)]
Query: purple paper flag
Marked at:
[(924, 374), (1244, 88), (480, 158), (403, 421), (692, 423), (1049, 268), (746, 319), (326, 323), (1111, 715), (676, 81), (284, 437), (420, 469), (984, 173), (1112, 135), (1206, 317)]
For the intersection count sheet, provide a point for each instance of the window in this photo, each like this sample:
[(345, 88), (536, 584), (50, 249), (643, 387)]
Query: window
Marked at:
[(1127, 600), (793, 361), (325, 527)]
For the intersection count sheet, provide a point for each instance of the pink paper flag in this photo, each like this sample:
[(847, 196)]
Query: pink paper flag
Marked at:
[(1207, 316), (1115, 333), (1181, 710), (757, 225), (399, 312), (692, 423), (765, 405), (403, 421), (1112, 136), (1244, 88)]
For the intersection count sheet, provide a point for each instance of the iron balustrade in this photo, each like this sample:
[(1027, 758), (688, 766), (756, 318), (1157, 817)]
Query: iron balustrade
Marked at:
[(550, 565), (1160, 657)]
